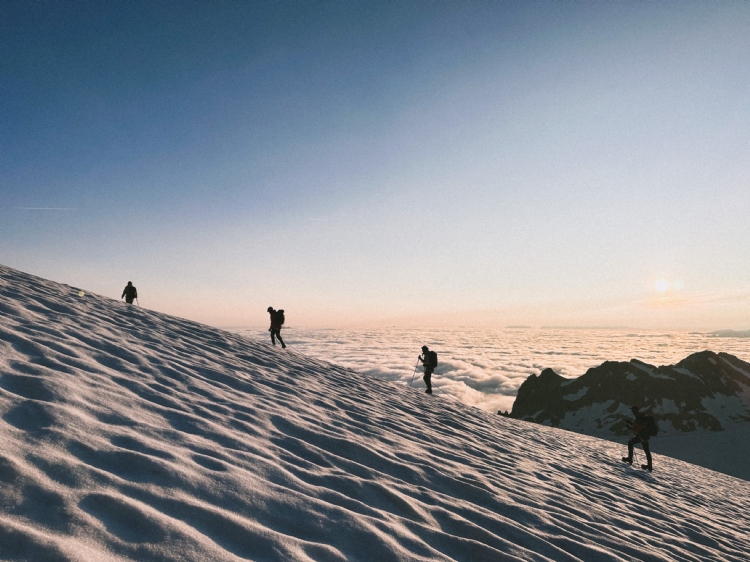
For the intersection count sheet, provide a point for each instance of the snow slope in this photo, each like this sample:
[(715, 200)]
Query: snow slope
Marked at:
[(128, 434), (702, 405)]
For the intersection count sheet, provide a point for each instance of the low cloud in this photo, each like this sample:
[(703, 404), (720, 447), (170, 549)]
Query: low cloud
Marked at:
[(485, 368)]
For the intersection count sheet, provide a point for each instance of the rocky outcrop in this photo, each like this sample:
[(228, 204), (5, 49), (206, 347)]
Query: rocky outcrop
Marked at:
[(705, 391)]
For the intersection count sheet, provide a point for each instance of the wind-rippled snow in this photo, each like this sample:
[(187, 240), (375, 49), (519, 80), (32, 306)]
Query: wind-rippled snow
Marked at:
[(484, 368), (133, 435)]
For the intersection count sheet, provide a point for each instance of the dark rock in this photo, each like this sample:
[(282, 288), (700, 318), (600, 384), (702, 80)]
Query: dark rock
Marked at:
[(703, 391)]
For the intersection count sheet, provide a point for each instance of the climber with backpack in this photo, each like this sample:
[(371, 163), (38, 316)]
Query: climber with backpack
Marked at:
[(644, 427), (430, 361), (277, 321), (130, 293)]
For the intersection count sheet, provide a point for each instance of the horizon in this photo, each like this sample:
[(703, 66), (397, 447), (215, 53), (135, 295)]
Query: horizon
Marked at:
[(130, 434), (373, 164)]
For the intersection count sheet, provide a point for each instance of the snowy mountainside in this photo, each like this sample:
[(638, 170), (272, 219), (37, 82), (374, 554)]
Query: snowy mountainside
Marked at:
[(702, 405), (133, 435)]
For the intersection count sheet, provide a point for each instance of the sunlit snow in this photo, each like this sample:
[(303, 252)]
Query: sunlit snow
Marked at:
[(133, 435)]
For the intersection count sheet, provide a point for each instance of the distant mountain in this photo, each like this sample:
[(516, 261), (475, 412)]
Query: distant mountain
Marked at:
[(704, 393), (731, 334)]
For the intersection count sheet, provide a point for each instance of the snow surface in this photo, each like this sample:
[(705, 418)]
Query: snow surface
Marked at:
[(689, 373), (668, 407), (132, 435), (744, 389), (580, 394), (594, 419), (726, 409)]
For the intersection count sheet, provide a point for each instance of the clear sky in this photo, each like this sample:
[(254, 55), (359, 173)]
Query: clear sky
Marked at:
[(400, 163)]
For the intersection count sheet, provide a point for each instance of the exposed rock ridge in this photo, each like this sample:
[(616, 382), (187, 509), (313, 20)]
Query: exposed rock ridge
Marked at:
[(705, 391)]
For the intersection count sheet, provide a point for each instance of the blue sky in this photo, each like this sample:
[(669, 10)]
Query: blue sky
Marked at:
[(442, 163)]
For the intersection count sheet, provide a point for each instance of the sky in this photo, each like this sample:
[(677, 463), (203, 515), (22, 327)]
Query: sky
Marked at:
[(384, 163)]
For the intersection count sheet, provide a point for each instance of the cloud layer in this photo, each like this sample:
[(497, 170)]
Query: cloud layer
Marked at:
[(484, 368)]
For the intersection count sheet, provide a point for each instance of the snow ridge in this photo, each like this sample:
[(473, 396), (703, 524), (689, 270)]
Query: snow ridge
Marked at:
[(133, 435)]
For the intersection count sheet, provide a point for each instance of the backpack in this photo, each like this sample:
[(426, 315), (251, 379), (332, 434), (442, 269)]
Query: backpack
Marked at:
[(433, 359), (652, 428), (280, 317)]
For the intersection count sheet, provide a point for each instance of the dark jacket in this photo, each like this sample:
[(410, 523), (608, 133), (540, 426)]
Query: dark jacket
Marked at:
[(130, 292), (638, 426), (275, 320), (429, 360)]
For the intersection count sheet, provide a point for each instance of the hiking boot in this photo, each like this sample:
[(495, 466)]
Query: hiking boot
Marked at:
[(283, 346), (428, 391), (627, 460), (646, 467)]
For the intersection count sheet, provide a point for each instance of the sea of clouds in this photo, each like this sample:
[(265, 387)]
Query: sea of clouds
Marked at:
[(484, 368)]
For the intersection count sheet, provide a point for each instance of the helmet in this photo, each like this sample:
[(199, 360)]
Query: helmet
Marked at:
[(425, 348), (270, 308)]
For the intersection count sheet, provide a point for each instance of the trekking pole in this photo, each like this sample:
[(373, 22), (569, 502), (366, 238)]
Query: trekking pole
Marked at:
[(446, 393), (137, 301), (415, 372)]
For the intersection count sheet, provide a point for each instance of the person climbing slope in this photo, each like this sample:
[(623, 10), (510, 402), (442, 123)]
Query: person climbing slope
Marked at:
[(644, 427), (130, 293), (277, 321), (429, 360)]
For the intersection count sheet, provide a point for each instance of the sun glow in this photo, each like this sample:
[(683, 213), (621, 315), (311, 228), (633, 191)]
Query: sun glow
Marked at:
[(661, 285), (668, 293)]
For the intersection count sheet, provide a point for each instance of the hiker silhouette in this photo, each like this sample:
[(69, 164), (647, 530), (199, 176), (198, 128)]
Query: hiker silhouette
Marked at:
[(277, 321), (640, 426), (130, 293), (429, 360)]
